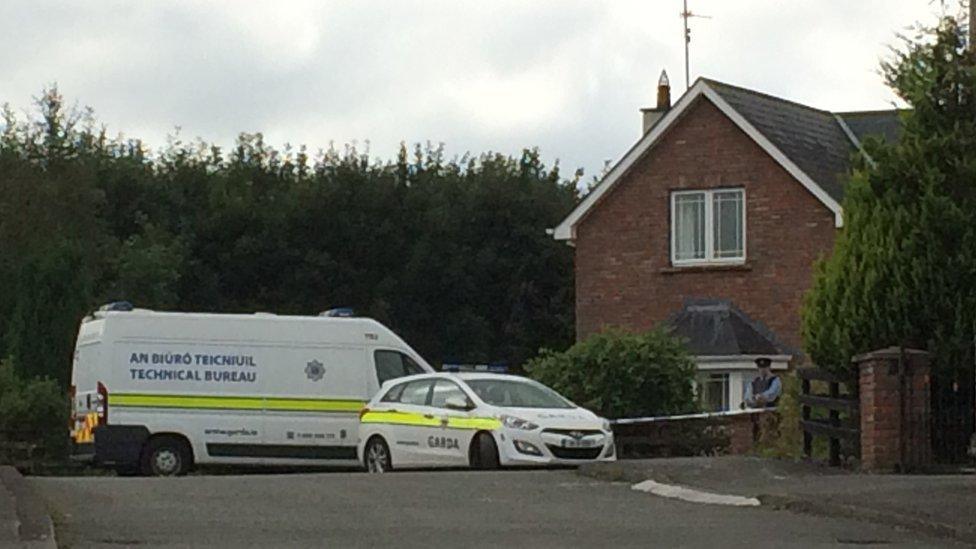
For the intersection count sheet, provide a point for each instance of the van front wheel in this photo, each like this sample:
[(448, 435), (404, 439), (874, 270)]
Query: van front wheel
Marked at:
[(165, 457)]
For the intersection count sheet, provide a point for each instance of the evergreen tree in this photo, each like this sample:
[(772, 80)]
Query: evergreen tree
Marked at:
[(903, 270)]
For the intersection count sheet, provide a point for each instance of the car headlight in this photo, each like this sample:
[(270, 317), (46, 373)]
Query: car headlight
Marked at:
[(513, 422), (606, 425)]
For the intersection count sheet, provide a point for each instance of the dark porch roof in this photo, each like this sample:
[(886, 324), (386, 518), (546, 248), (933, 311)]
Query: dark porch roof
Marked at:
[(716, 327)]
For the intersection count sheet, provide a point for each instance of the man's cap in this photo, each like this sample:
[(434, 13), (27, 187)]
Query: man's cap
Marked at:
[(763, 362)]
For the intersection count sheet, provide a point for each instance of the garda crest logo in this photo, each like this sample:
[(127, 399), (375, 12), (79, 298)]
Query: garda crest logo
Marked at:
[(315, 370)]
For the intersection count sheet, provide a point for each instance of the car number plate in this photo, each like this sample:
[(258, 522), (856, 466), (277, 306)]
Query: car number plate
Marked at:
[(577, 443)]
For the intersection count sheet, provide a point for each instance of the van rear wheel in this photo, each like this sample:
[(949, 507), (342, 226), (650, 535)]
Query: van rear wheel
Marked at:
[(165, 457), (377, 456)]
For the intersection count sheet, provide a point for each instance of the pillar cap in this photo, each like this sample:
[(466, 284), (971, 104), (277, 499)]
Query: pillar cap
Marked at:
[(889, 353)]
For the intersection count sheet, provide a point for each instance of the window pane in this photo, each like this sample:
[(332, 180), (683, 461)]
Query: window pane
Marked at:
[(416, 392), (444, 390), (389, 365), (714, 392), (728, 221), (393, 395), (394, 364), (689, 226), (410, 366)]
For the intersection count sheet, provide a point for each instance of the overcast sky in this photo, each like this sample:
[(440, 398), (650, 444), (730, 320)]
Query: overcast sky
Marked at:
[(567, 76)]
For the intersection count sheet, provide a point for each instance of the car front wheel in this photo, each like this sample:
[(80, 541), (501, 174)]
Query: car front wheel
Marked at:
[(484, 453)]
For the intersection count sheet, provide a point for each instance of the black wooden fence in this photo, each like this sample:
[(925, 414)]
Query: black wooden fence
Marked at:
[(833, 415)]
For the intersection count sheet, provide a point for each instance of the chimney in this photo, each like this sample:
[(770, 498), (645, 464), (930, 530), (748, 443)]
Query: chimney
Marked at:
[(651, 116)]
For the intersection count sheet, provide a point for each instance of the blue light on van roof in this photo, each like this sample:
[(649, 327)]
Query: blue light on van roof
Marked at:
[(494, 368), (116, 306), (339, 312)]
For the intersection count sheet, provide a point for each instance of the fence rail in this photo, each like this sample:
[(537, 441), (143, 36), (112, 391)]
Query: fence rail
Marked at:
[(834, 402)]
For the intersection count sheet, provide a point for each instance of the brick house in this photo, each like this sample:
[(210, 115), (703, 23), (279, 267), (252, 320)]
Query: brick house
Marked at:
[(712, 222)]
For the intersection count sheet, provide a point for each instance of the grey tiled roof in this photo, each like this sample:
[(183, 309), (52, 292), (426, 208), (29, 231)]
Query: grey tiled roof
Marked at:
[(811, 138), (715, 327), (884, 124)]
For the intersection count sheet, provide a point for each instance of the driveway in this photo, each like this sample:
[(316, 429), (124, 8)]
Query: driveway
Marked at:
[(421, 509)]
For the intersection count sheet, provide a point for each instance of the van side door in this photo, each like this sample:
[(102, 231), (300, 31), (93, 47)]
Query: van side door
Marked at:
[(312, 405)]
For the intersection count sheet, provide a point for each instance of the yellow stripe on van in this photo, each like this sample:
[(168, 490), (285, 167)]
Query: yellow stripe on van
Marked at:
[(135, 400), (310, 405)]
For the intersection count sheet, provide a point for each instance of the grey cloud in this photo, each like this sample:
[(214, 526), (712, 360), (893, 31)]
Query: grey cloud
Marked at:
[(567, 76)]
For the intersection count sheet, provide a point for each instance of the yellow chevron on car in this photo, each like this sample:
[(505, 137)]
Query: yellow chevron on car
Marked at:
[(487, 423), (400, 418), (428, 420)]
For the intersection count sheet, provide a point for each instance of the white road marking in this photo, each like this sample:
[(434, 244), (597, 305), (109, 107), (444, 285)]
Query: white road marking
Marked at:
[(694, 496)]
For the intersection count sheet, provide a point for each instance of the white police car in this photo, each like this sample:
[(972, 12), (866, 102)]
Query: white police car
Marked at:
[(477, 419)]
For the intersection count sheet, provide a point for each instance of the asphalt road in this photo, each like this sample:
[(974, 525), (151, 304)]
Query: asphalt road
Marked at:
[(421, 509)]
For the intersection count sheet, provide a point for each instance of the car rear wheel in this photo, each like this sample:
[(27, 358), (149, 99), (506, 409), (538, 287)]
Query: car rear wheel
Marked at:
[(377, 456), (165, 456), (484, 454)]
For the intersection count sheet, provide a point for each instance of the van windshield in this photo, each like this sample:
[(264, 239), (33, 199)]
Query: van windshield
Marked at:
[(511, 393)]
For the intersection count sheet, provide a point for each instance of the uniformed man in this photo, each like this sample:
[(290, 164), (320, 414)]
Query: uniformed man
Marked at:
[(764, 391)]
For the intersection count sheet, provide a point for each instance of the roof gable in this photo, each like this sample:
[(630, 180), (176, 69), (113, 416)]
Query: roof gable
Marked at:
[(812, 145), (884, 124)]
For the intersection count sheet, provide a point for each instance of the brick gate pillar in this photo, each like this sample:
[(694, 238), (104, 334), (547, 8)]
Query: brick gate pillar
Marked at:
[(895, 410)]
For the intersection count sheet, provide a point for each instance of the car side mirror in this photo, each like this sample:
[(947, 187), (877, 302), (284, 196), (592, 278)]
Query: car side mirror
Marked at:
[(457, 403)]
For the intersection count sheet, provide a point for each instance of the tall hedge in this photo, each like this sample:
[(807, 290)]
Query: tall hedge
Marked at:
[(903, 270), (450, 252), (618, 374)]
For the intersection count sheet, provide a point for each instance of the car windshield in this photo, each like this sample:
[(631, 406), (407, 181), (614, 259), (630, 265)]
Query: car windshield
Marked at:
[(511, 393)]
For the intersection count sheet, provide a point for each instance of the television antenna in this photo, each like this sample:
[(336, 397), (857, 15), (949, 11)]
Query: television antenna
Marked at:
[(686, 15)]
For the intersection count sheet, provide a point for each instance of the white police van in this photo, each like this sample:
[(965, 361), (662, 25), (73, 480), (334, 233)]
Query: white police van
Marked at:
[(157, 392), (482, 420)]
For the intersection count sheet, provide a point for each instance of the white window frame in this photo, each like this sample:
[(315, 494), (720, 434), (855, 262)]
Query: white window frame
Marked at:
[(709, 258), (704, 378)]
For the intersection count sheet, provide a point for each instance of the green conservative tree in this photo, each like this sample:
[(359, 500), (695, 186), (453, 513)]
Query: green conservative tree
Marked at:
[(903, 271)]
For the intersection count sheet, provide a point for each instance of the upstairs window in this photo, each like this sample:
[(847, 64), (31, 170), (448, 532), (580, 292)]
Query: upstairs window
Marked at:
[(708, 227)]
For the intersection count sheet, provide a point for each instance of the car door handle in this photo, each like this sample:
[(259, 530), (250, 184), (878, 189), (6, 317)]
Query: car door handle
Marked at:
[(429, 416)]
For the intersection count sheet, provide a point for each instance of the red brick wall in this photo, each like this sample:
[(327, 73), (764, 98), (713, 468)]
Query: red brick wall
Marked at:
[(705, 434), (624, 275), (895, 410)]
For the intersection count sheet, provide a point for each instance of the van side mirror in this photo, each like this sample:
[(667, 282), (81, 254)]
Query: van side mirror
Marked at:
[(457, 403)]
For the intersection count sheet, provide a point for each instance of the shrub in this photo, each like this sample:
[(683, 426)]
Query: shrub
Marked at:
[(33, 414), (782, 437), (618, 374)]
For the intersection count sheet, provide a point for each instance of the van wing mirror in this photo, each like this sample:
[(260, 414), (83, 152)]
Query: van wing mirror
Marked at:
[(458, 403)]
